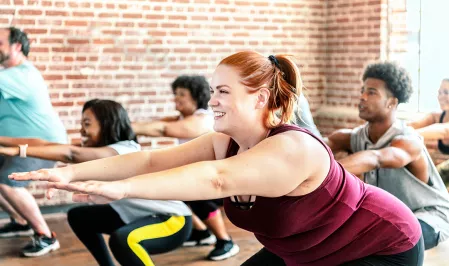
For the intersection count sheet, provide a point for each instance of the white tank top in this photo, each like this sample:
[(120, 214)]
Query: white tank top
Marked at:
[(208, 113)]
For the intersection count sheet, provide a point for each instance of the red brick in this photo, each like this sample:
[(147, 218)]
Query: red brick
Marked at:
[(29, 12), (83, 14), (77, 41), (108, 15), (132, 15), (76, 23), (56, 13), (66, 104)]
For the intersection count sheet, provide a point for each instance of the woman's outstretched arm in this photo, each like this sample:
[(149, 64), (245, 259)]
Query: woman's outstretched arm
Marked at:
[(128, 165), (62, 153), (269, 169)]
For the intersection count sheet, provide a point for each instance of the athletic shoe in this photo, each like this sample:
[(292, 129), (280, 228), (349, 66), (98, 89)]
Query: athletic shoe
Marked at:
[(40, 245), (14, 229), (200, 238), (224, 249)]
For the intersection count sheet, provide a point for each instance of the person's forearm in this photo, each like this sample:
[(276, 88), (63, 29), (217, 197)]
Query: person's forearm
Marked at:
[(360, 162), (11, 142), (198, 181), (62, 153), (150, 129), (112, 168), (434, 132)]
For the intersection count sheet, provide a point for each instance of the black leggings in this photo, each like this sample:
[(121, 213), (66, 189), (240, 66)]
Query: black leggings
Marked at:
[(411, 257), (202, 208), (130, 243)]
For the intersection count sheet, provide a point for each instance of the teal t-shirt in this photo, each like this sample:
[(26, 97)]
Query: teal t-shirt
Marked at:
[(25, 107)]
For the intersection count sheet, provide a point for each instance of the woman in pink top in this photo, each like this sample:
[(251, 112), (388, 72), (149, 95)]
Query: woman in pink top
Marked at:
[(280, 181)]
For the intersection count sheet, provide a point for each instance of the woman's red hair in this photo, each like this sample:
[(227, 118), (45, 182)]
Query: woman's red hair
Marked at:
[(282, 79)]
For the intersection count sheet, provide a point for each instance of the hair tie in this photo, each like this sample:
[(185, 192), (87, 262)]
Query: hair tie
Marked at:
[(274, 61)]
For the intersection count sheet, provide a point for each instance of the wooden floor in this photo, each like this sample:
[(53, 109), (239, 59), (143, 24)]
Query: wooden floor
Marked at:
[(73, 253)]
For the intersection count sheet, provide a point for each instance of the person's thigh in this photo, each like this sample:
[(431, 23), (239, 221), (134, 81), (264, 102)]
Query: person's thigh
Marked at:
[(264, 258), (101, 218), (202, 208), (9, 165), (133, 243), (411, 257), (431, 237)]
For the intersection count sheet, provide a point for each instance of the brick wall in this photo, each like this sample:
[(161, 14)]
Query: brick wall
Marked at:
[(130, 51), (355, 37)]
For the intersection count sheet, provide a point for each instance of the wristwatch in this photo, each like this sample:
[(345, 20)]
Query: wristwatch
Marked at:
[(23, 150)]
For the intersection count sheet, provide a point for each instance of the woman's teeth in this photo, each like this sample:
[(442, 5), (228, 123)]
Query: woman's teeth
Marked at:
[(219, 114)]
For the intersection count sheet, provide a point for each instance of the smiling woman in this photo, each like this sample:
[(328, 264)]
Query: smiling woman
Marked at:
[(106, 131), (285, 201), (435, 127)]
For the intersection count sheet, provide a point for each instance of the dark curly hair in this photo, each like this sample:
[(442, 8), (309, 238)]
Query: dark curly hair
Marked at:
[(114, 121), (198, 87), (18, 36), (396, 78)]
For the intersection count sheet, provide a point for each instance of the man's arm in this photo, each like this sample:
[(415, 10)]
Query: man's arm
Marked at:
[(339, 140), (435, 131), (13, 142), (427, 120), (400, 153), (190, 127)]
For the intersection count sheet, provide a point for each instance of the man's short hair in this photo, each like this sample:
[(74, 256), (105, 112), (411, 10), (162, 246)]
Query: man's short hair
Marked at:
[(396, 78), (18, 36)]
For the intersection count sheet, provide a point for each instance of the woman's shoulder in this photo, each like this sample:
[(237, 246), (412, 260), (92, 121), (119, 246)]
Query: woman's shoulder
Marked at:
[(437, 116), (125, 146), (202, 111)]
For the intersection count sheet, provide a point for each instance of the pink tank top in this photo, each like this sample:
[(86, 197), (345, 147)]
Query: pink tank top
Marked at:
[(342, 220)]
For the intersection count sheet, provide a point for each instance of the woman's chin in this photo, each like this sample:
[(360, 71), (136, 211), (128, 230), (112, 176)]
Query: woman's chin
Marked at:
[(219, 128)]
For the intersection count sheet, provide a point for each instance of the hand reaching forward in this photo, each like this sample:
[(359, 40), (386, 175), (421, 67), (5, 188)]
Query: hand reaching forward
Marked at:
[(59, 175), (93, 191)]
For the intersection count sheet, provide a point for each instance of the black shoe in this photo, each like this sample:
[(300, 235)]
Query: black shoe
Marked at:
[(14, 229), (200, 238), (40, 245), (223, 249)]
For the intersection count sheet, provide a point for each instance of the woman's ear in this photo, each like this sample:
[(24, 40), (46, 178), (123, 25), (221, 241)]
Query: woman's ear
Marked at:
[(263, 95)]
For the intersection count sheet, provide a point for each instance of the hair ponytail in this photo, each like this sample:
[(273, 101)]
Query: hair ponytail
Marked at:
[(279, 73), (285, 87)]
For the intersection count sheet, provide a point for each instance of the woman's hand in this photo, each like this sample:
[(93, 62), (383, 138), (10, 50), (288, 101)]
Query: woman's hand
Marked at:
[(93, 191), (9, 151), (53, 176)]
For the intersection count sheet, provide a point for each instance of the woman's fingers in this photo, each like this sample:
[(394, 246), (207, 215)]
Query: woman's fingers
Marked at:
[(90, 191), (40, 175), (33, 175), (50, 192)]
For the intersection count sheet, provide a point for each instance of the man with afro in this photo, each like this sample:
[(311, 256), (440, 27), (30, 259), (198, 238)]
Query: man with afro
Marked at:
[(387, 153)]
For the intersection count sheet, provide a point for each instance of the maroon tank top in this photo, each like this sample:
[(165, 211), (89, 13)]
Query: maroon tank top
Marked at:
[(342, 220)]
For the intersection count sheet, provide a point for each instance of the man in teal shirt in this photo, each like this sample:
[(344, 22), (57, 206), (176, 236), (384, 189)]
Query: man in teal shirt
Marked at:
[(25, 112)]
